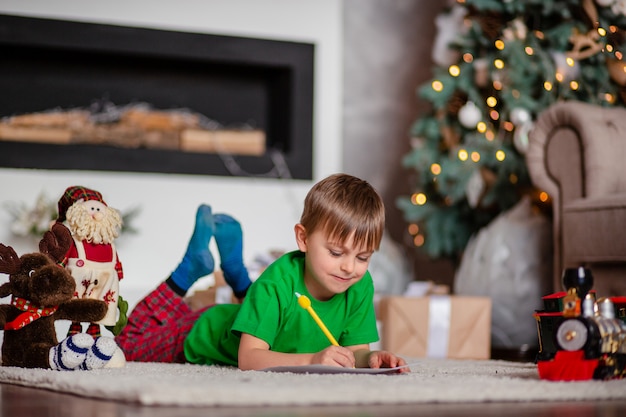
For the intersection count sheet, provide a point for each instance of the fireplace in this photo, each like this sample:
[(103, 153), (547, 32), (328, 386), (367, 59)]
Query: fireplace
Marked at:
[(241, 84)]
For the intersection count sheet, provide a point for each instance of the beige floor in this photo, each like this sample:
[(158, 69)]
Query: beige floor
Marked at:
[(28, 402)]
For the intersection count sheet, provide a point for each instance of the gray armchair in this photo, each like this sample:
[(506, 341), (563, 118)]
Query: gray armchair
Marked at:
[(577, 154)]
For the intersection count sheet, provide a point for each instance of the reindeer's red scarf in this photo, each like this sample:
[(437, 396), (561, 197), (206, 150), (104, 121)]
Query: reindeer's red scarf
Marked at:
[(30, 313)]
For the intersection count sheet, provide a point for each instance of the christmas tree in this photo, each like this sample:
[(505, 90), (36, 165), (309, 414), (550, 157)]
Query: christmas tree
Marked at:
[(499, 63)]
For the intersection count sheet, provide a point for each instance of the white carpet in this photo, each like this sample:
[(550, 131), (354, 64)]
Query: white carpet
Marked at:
[(431, 380)]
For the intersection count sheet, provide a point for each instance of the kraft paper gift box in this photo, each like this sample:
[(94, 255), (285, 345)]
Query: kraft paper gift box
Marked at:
[(437, 326)]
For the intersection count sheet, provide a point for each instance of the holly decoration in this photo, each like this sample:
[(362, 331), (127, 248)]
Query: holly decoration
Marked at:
[(122, 319)]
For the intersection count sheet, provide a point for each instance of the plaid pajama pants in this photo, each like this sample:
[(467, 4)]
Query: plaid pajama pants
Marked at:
[(157, 327)]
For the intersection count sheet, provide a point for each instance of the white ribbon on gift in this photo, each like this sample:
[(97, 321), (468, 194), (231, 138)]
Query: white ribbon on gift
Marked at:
[(439, 312)]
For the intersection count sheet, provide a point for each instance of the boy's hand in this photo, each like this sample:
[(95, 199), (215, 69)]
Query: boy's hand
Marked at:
[(334, 356), (384, 359)]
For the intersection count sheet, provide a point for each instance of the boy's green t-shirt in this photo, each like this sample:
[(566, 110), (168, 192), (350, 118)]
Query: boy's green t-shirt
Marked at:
[(271, 312)]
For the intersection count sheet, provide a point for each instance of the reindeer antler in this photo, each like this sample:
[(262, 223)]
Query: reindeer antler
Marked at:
[(56, 242), (9, 261)]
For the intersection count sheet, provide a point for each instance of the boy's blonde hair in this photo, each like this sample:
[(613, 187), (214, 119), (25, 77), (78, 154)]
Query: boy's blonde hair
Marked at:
[(342, 204)]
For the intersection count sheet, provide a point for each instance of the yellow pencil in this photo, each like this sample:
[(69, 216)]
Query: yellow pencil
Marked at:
[(305, 303)]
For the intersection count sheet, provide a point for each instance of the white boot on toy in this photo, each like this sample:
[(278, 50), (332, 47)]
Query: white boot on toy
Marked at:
[(118, 360), (70, 353), (100, 353)]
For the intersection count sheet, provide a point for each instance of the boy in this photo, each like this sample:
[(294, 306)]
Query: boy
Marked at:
[(340, 228)]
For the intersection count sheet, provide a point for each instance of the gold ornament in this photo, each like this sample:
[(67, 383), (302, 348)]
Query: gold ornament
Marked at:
[(585, 45)]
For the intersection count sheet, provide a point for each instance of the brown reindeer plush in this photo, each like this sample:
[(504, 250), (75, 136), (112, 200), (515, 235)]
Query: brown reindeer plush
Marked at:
[(41, 293)]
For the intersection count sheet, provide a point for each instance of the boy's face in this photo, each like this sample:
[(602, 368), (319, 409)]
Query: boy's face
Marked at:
[(331, 267)]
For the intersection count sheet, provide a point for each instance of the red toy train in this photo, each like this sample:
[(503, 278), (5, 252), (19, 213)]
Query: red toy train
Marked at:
[(581, 337)]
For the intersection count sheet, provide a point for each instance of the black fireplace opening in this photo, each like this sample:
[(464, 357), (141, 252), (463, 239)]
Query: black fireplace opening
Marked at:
[(237, 83)]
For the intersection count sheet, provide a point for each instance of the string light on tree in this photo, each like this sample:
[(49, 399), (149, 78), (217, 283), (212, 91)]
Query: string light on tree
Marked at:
[(437, 86), (419, 199)]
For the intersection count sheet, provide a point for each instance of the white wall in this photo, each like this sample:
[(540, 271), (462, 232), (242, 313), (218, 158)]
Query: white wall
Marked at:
[(267, 208)]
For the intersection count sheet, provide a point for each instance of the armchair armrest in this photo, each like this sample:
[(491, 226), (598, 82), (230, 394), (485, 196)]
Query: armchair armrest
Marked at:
[(576, 150)]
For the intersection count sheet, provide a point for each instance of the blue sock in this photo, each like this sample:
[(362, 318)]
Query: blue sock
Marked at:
[(198, 261), (229, 239)]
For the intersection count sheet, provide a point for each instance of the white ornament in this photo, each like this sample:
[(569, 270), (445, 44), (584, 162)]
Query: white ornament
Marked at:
[(523, 123), (516, 29), (604, 3), (619, 7), (449, 27), (520, 137), (520, 116), (474, 188), (469, 115)]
